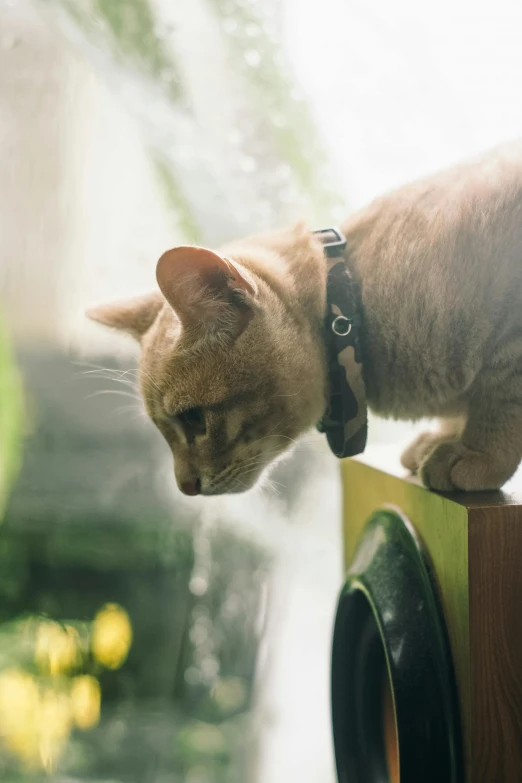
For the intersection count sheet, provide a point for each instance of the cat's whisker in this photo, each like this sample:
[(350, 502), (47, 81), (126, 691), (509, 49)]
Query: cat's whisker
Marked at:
[(274, 450), (259, 458), (275, 486), (252, 468), (120, 392), (139, 415), (249, 470), (123, 382), (126, 408), (134, 370), (270, 434), (98, 368), (113, 378), (151, 380), (107, 371), (119, 376)]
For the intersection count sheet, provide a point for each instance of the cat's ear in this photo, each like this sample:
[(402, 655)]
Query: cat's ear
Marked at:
[(134, 316), (206, 290)]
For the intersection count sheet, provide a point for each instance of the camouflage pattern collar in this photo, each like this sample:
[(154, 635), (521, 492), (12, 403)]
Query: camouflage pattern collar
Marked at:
[(345, 421)]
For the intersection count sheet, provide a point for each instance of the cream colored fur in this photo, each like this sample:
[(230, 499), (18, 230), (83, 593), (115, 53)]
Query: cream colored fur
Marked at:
[(440, 268)]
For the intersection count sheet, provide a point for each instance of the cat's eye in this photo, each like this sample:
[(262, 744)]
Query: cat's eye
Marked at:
[(193, 421)]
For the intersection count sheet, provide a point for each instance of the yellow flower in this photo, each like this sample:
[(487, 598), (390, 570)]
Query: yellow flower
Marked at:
[(111, 636), (35, 725), (85, 701), (56, 648), (54, 726), (18, 699)]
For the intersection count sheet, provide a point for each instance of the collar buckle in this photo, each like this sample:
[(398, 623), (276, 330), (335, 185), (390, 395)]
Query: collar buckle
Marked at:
[(334, 242)]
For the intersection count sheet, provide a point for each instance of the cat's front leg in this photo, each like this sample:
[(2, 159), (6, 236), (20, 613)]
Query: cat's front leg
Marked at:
[(485, 456)]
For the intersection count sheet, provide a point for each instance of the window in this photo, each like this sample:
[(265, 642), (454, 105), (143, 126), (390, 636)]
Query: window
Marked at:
[(143, 636)]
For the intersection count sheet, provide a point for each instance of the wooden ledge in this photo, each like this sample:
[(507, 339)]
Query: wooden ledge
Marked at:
[(387, 460), (474, 542)]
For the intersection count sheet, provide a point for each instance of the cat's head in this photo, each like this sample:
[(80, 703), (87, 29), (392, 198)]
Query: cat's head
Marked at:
[(232, 366)]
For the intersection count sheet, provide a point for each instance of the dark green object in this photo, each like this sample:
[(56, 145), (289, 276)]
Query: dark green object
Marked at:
[(389, 623)]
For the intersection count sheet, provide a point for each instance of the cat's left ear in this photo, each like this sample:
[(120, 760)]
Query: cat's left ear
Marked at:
[(207, 290), (134, 316)]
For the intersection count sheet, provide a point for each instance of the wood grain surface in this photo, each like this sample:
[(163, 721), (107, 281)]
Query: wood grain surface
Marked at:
[(495, 595)]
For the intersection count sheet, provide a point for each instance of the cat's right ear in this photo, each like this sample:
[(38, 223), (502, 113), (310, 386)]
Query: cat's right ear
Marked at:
[(206, 291), (134, 316)]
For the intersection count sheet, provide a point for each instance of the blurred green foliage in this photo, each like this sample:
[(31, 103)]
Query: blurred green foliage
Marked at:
[(86, 526), (287, 117), (11, 417), (176, 201), (128, 28)]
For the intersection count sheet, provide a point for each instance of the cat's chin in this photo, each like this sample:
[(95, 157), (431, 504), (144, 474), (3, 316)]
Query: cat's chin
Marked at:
[(230, 490), (237, 487), (260, 482), (234, 487)]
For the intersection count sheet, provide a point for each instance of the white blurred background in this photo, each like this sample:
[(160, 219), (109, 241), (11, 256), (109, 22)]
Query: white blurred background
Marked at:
[(99, 173)]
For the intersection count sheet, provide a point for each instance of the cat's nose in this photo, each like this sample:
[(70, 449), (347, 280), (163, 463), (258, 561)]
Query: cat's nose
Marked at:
[(191, 487)]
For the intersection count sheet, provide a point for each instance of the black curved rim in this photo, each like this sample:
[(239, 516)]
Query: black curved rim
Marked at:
[(389, 623)]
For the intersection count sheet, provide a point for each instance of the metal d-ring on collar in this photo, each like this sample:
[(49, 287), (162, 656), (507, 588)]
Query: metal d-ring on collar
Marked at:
[(344, 421), (341, 326)]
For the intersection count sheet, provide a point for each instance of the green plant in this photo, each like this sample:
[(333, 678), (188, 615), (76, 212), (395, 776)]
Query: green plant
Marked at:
[(10, 417)]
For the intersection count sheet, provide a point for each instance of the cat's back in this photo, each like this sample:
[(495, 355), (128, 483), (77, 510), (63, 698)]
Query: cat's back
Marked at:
[(474, 195), (440, 264), (455, 232)]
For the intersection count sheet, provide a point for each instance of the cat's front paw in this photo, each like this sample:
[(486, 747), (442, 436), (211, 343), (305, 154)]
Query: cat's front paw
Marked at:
[(451, 466), (415, 454), (436, 469)]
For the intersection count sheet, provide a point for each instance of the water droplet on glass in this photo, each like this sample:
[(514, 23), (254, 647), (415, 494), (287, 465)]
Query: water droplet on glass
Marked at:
[(209, 668), (252, 58), (247, 164), (198, 634), (169, 29), (231, 607), (287, 196), (283, 171), (198, 585), (230, 693), (229, 25), (168, 76), (278, 121), (235, 138), (200, 613), (192, 676), (252, 30)]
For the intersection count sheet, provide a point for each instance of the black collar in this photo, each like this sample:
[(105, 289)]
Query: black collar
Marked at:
[(345, 421)]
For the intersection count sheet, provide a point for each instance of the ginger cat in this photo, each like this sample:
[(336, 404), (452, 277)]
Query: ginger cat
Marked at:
[(233, 364)]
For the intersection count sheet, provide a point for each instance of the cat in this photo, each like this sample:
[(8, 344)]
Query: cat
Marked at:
[(233, 359)]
